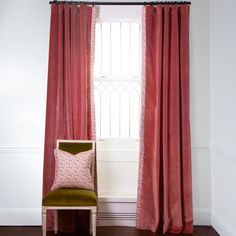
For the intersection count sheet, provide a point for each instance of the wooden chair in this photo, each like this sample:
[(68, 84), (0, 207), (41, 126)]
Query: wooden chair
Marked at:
[(71, 199)]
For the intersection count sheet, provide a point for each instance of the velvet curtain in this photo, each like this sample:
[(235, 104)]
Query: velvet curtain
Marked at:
[(165, 186), (70, 105)]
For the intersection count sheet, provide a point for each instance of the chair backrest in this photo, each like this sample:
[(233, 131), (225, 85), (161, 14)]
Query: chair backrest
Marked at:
[(77, 146)]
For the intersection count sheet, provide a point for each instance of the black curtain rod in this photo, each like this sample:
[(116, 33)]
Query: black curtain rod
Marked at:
[(120, 3)]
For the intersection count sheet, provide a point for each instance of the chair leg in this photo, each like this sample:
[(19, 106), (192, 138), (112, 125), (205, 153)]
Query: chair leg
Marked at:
[(90, 223), (94, 222), (44, 220), (55, 221)]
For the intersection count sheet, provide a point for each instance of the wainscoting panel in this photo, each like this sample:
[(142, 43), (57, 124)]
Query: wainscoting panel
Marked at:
[(223, 178), (21, 183), (118, 168)]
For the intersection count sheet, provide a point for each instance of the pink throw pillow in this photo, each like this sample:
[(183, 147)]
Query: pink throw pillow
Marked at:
[(73, 171)]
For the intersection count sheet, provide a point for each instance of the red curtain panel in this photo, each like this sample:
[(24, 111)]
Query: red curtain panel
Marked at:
[(70, 105), (165, 185)]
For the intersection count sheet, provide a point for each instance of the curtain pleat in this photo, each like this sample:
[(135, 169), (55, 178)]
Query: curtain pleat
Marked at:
[(165, 184), (70, 105)]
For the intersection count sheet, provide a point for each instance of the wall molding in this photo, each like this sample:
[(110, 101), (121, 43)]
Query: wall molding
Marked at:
[(39, 149), (224, 153), (21, 149), (220, 226), (117, 197), (200, 145)]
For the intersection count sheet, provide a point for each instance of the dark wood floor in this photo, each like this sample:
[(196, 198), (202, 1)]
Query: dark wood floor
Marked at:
[(101, 231)]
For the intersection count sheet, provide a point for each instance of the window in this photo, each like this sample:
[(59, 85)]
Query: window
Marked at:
[(117, 80), (117, 100)]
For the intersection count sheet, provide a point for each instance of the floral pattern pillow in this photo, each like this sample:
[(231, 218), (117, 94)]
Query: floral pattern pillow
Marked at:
[(73, 171)]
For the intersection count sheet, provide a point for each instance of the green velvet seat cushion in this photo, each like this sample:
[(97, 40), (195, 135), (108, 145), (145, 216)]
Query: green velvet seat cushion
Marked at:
[(70, 197)]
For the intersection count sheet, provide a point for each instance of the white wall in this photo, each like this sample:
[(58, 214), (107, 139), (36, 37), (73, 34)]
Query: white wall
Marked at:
[(200, 109), (223, 115), (23, 73), (24, 34)]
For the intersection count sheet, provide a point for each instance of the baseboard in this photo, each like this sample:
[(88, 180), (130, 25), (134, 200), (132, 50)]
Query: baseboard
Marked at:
[(117, 219), (222, 228), (20, 216), (201, 217), (117, 212), (112, 212)]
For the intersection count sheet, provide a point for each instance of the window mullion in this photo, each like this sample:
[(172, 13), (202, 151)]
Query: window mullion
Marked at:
[(117, 86)]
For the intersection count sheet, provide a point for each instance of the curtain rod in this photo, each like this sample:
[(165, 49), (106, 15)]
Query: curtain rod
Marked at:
[(120, 3)]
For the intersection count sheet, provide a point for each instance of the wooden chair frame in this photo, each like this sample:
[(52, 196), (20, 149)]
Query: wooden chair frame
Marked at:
[(92, 209)]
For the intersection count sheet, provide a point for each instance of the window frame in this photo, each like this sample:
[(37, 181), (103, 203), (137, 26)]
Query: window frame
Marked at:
[(121, 14)]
